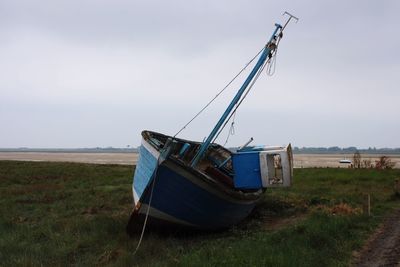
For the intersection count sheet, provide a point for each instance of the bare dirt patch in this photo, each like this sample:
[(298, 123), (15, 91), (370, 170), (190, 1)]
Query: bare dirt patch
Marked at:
[(339, 209), (383, 247), (273, 223)]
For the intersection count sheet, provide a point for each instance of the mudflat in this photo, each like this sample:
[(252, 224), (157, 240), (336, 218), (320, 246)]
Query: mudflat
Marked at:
[(300, 160), (332, 160), (98, 158)]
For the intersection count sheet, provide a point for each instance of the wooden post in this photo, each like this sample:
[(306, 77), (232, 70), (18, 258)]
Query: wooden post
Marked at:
[(367, 204), (397, 187)]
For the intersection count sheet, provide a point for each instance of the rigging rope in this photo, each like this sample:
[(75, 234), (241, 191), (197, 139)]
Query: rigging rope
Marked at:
[(220, 92), (241, 100), (270, 64), (231, 129)]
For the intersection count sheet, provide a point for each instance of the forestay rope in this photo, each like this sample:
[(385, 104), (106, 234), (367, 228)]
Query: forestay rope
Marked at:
[(271, 66), (219, 93)]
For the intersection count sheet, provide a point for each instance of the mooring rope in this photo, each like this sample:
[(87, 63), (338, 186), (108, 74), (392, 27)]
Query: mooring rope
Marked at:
[(145, 219), (148, 207)]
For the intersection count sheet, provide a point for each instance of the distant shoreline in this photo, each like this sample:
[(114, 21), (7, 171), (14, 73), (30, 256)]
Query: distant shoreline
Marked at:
[(296, 151), (131, 158), (70, 150)]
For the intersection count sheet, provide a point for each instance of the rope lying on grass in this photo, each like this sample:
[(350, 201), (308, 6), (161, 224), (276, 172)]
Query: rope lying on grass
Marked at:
[(147, 212), (163, 156)]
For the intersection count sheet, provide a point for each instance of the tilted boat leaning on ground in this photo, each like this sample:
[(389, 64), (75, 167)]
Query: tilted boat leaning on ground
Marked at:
[(202, 184)]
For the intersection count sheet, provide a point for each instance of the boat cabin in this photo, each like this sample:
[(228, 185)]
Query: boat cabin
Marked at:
[(249, 168)]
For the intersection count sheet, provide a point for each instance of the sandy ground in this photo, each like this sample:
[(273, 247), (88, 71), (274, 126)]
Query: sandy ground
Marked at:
[(98, 158), (300, 160), (332, 160)]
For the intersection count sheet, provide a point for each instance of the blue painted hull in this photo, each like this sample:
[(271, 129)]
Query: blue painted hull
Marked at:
[(192, 203), (183, 196)]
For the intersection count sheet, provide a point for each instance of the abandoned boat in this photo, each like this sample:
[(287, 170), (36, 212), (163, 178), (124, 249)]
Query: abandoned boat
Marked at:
[(203, 185)]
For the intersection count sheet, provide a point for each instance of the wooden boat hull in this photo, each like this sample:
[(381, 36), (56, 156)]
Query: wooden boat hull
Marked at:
[(180, 195)]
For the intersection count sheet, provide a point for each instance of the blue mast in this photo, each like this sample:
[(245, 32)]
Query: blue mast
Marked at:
[(237, 97)]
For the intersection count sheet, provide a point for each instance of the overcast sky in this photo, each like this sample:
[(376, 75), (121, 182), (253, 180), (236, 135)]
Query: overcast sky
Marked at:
[(97, 73)]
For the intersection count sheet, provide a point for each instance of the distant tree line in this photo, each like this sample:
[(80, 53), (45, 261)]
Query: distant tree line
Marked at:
[(345, 150), (296, 150)]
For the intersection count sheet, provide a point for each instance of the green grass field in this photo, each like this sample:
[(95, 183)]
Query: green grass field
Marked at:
[(75, 214)]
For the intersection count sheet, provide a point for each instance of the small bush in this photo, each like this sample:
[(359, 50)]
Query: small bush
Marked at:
[(357, 160), (367, 164), (384, 162)]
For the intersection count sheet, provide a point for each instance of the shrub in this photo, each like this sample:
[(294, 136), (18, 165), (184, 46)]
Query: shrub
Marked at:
[(384, 162), (357, 160)]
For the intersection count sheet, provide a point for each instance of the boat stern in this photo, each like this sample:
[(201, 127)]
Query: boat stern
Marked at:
[(266, 167)]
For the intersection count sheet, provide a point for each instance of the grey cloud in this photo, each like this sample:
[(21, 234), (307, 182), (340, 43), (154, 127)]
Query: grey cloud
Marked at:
[(139, 62)]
